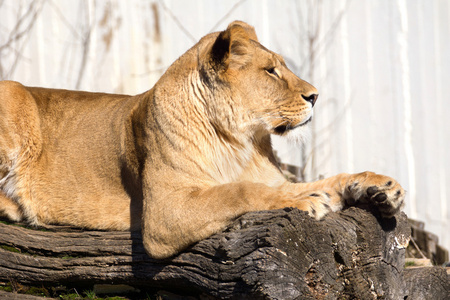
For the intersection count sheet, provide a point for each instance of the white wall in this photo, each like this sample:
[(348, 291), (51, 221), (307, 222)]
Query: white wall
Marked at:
[(382, 69)]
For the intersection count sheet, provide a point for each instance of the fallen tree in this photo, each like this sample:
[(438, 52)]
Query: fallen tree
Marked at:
[(282, 254)]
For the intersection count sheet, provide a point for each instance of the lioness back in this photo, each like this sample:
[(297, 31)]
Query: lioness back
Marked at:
[(66, 155)]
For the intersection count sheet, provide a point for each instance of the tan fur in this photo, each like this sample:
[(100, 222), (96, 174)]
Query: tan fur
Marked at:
[(180, 161)]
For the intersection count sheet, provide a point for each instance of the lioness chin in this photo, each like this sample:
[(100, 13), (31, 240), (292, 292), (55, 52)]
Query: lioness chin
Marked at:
[(180, 161)]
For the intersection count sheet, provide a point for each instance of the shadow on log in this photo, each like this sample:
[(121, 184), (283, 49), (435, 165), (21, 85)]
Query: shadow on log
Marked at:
[(280, 254)]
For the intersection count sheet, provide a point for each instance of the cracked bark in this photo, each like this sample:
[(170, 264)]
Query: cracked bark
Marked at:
[(280, 254)]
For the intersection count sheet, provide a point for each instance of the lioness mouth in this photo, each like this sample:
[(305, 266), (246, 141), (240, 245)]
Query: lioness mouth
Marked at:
[(282, 129)]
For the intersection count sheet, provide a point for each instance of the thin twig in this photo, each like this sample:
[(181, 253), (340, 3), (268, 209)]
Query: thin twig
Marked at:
[(16, 34), (177, 21), (417, 247), (320, 46), (233, 8), (64, 20), (86, 46)]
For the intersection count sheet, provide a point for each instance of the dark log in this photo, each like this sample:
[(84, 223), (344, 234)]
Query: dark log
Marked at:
[(427, 283), (282, 254)]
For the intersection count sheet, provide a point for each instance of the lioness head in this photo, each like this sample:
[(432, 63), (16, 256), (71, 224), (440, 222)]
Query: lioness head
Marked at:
[(262, 93)]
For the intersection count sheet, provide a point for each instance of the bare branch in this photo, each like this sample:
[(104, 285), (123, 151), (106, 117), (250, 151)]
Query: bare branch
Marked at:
[(233, 8), (86, 39), (64, 20), (177, 21), (16, 33), (327, 37), (20, 32)]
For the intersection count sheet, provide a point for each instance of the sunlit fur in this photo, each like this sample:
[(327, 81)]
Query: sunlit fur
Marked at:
[(178, 162)]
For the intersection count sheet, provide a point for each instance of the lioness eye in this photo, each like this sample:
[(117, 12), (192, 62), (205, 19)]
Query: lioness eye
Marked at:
[(272, 71)]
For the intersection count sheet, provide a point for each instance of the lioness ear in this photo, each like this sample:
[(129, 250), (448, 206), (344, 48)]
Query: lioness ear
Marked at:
[(232, 47)]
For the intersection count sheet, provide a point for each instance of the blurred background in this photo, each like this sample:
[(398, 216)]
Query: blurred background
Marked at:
[(382, 68)]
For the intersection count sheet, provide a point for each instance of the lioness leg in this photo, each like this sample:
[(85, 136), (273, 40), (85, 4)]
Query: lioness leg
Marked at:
[(20, 146), (9, 209), (380, 191), (197, 214), (200, 213)]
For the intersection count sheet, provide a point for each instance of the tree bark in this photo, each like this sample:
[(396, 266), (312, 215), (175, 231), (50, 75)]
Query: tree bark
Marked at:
[(427, 283), (282, 254)]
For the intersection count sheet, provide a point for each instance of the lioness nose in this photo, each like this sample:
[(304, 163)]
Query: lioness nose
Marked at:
[(311, 98)]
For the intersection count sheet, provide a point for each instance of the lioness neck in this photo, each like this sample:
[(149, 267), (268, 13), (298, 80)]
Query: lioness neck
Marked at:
[(184, 123)]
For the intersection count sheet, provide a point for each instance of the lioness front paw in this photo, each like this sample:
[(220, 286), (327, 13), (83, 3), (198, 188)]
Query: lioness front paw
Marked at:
[(380, 191), (317, 203)]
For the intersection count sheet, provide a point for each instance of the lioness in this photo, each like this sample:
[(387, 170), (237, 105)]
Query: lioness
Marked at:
[(180, 161)]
